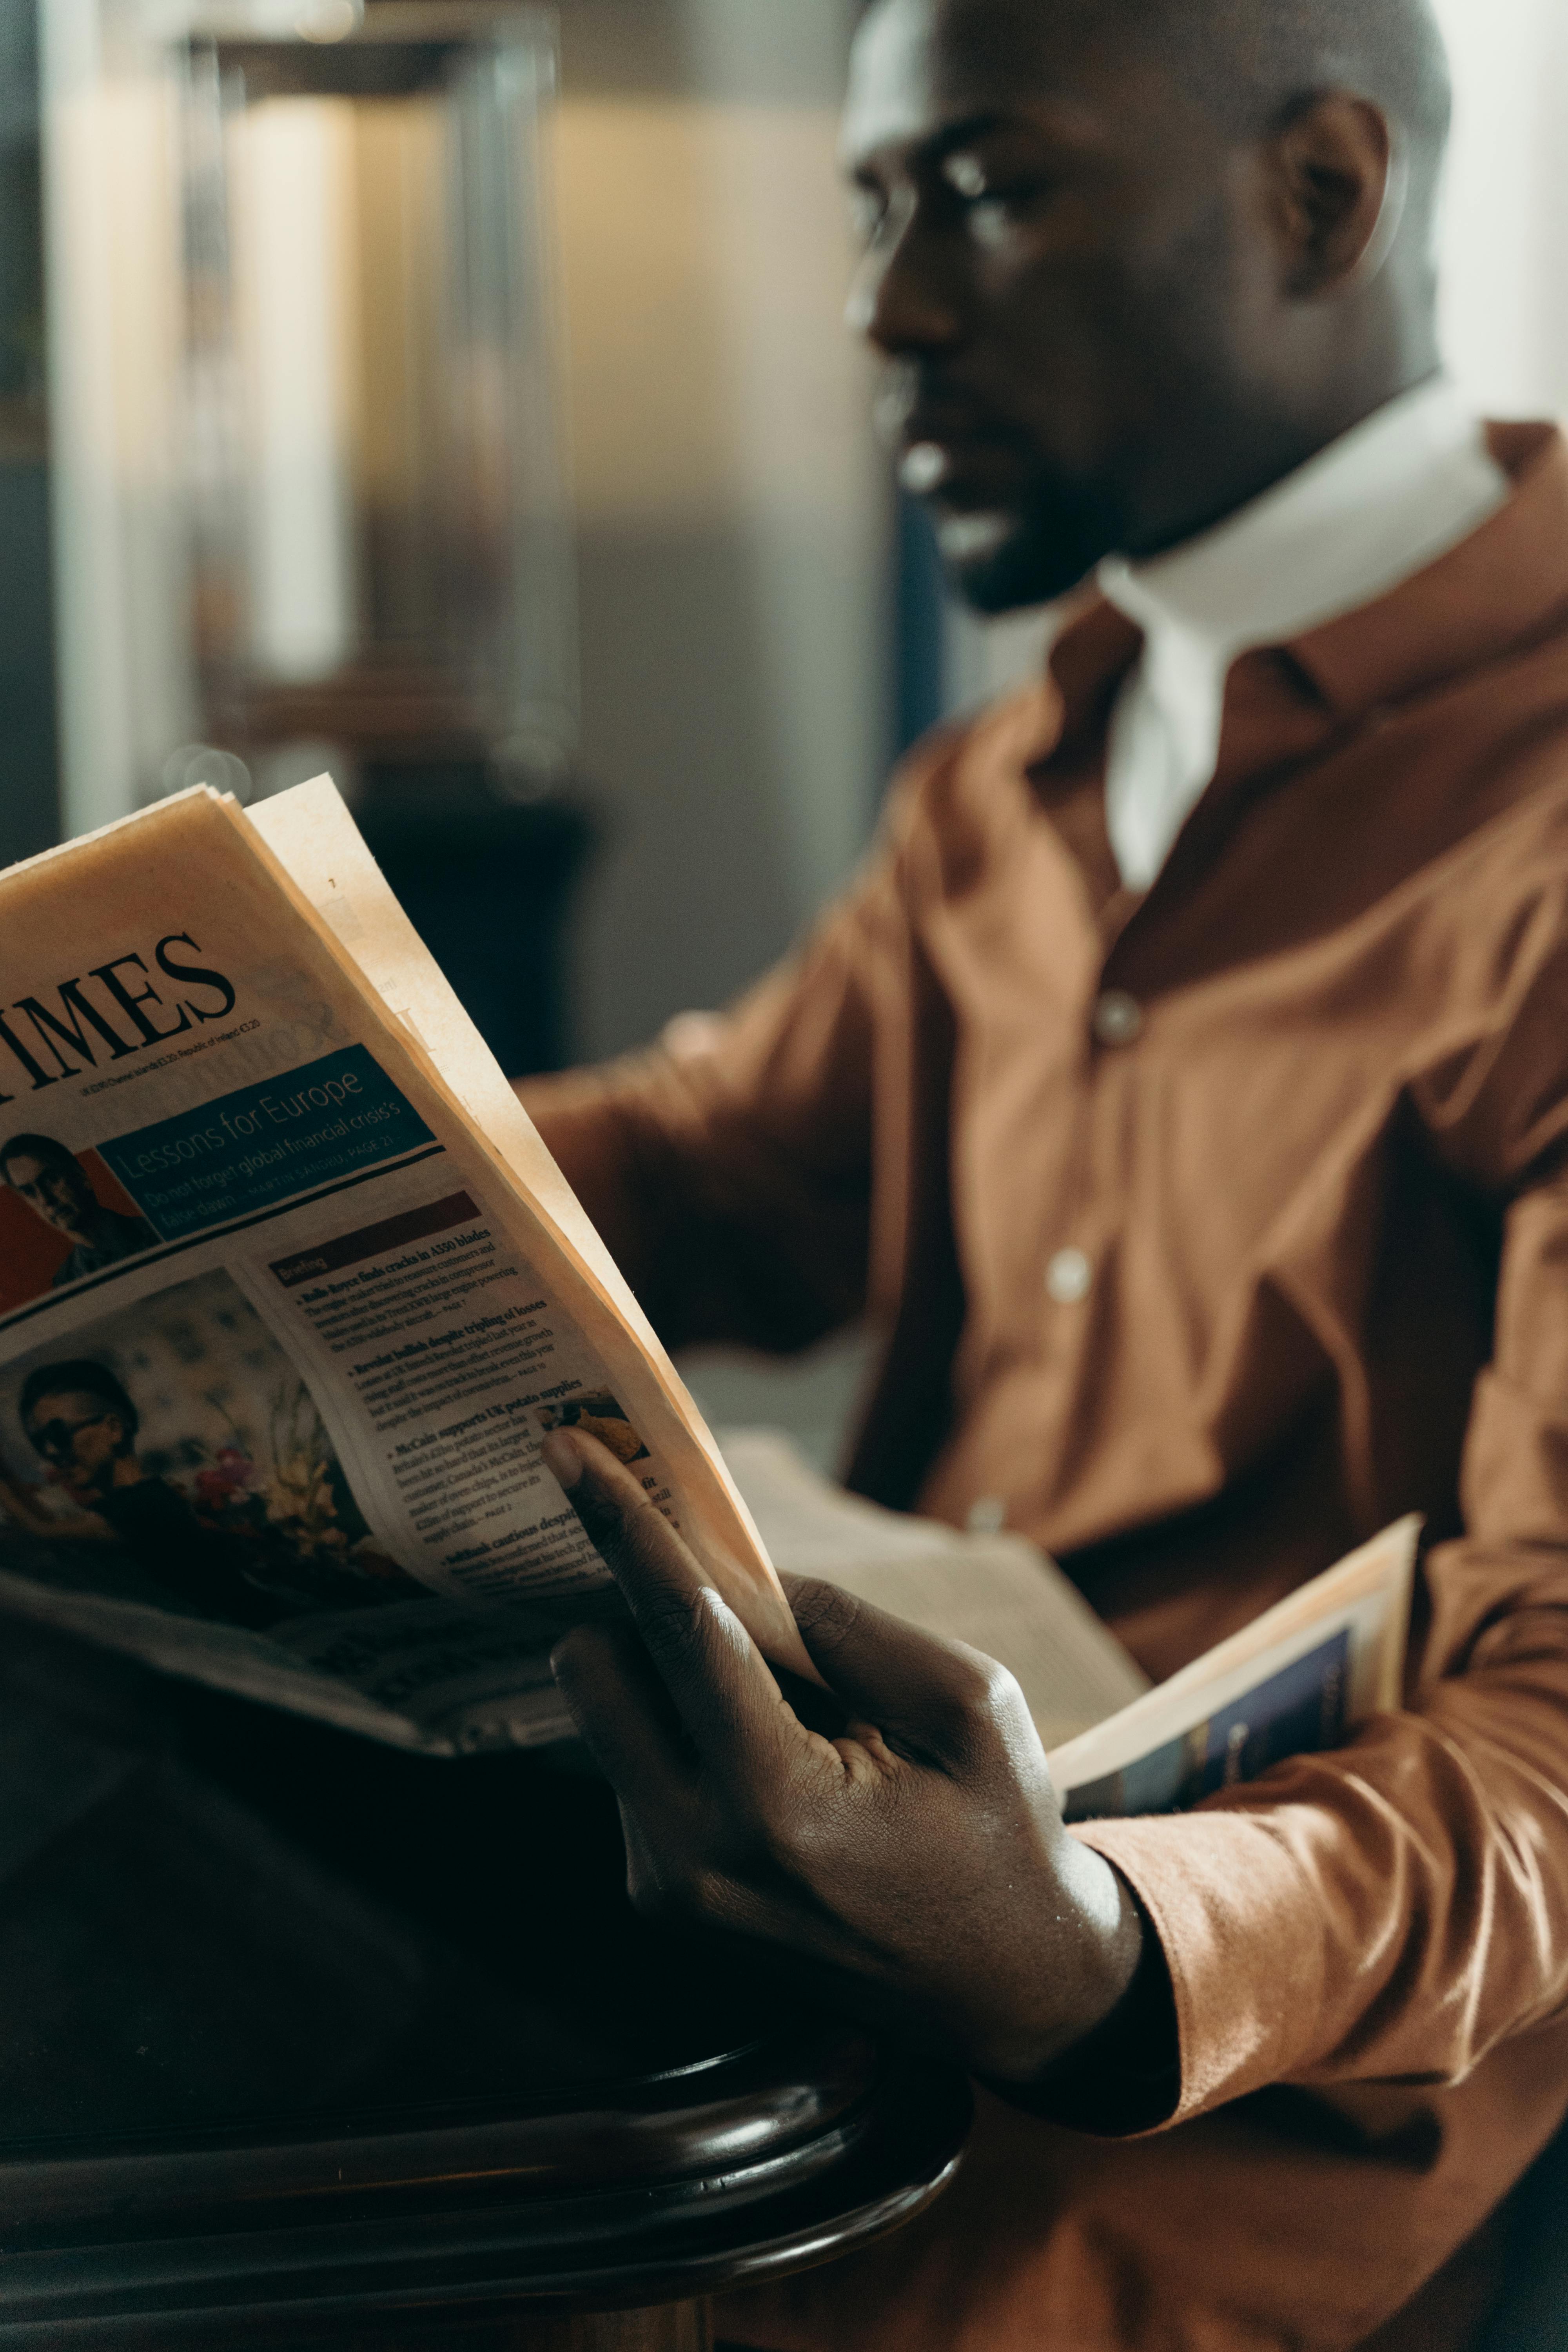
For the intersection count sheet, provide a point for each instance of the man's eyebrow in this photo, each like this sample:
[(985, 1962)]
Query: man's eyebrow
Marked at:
[(937, 144), (966, 130), (955, 135)]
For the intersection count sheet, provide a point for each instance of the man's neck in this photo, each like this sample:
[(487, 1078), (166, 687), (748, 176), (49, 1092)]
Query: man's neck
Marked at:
[(1259, 459), (1347, 527)]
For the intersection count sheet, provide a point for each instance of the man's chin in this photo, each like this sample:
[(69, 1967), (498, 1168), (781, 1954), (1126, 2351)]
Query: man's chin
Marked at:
[(1000, 563)]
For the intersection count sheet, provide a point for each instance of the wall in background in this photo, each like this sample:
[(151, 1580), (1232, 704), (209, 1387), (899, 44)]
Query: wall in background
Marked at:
[(1505, 224), (734, 513)]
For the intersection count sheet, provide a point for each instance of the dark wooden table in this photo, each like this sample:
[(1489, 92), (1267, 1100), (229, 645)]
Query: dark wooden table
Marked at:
[(309, 2043)]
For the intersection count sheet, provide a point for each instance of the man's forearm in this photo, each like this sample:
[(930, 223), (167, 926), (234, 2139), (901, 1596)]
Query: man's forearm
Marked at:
[(596, 1148), (722, 1238)]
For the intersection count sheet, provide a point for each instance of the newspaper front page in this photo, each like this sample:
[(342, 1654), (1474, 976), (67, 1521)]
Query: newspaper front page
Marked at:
[(279, 1340)]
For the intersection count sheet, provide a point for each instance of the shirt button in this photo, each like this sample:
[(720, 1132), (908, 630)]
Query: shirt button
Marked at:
[(1117, 1018), (987, 1517), (1069, 1277)]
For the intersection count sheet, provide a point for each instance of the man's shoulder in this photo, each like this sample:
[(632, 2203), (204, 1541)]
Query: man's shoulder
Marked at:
[(1509, 831)]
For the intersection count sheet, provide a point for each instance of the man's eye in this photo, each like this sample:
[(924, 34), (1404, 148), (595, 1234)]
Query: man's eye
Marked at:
[(992, 200), (998, 209)]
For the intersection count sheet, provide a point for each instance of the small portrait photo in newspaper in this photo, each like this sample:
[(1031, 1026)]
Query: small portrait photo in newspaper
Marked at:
[(171, 1453), (62, 1216)]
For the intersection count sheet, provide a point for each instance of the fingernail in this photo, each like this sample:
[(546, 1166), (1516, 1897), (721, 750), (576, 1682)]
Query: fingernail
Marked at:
[(562, 1459)]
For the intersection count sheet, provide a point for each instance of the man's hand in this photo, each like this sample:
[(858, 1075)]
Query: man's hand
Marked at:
[(919, 1855)]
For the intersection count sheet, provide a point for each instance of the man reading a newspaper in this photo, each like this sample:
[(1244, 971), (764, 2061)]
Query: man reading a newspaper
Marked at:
[(1182, 1087)]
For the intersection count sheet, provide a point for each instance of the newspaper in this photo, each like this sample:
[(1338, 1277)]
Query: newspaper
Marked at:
[(291, 1293)]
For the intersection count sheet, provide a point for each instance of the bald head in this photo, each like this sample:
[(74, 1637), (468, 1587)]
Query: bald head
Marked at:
[(1253, 64), (1249, 64), (1161, 250)]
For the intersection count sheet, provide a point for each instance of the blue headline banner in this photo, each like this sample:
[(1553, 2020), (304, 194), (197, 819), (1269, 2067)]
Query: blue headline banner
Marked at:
[(265, 1143)]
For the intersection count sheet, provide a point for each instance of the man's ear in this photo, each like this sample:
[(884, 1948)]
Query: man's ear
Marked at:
[(1339, 187)]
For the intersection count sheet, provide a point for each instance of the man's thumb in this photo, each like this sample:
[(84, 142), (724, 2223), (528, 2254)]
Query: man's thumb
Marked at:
[(938, 1693)]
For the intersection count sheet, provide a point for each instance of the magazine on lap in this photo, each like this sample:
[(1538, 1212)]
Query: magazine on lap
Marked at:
[(291, 1292)]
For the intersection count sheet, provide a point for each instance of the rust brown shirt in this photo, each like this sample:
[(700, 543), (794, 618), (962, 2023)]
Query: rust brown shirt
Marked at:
[(1315, 1161)]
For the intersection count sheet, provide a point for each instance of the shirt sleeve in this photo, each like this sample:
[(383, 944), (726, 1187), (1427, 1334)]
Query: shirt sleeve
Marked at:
[(729, 1169), (1391, 1912)]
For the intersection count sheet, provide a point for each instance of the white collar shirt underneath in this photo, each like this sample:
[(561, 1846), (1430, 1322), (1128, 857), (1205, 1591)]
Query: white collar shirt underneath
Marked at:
[(1369, 511)]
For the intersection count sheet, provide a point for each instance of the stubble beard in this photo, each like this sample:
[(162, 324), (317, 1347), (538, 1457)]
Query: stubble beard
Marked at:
[(1042, 552)]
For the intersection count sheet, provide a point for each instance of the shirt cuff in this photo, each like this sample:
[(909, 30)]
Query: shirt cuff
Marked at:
[(1121, 2081), (1241, 1927)]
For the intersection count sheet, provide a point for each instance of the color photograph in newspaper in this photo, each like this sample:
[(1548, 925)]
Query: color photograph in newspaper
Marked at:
[(223, 1455), (177, 1479), (169, 1453)]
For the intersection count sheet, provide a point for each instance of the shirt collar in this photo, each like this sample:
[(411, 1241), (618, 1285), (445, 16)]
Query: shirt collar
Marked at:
[(1496, 589), (1377, 506), (1493, 592)]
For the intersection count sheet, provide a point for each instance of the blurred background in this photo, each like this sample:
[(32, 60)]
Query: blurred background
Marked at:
[(452, 393)]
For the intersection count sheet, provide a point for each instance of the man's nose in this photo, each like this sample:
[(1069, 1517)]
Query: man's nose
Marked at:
[(904, 299)]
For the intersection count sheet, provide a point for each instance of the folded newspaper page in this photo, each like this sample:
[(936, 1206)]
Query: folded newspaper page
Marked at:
[(1298, 1680), (999, 1593), (290, 1295)]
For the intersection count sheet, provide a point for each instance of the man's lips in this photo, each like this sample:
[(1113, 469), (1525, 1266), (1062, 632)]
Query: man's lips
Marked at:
[(937, 434), (962, 467)]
